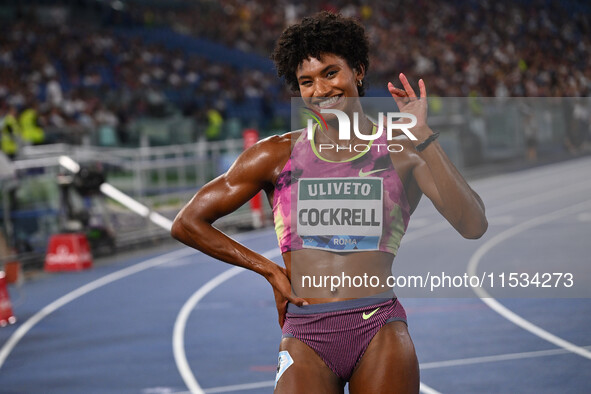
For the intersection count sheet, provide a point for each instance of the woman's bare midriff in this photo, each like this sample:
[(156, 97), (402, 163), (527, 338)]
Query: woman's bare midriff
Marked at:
[(320, 276)]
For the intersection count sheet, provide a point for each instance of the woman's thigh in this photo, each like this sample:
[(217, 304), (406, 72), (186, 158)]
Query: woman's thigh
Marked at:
[(308, 373), (389, 365)]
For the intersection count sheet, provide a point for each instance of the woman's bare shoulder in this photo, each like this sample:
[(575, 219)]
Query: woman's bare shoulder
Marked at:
[(269, 155), (281, 140)]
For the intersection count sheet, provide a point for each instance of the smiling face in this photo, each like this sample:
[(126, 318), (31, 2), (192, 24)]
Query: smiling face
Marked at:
[(325, 82)]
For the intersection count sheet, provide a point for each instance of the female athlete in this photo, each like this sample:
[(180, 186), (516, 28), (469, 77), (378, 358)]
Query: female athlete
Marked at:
[(353, 226)]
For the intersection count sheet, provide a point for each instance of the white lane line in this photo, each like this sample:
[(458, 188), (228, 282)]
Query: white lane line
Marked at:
[(530, 182), (424, 366), (427, 390), (441, 225), (85, 289), (16, 336), (239, 387), (534, 176), (529, 201), (534, 182), (501, 309), (495, 358), (178, 335)]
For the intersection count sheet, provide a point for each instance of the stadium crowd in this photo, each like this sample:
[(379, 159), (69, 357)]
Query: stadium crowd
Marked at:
[(486, 48), (79, 77)]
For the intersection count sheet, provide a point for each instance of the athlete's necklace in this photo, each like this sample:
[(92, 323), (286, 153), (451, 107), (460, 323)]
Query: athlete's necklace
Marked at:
[(339, 146)]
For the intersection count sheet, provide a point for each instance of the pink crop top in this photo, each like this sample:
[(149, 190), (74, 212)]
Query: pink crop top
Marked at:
[(354, 205)]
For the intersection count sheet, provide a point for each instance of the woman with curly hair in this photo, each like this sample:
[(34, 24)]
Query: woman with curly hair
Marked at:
[(363, 197)]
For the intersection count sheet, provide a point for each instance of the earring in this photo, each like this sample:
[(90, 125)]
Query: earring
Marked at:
[(359, 83)]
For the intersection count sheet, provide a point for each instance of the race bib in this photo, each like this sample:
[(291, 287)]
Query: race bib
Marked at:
[(340, 214)]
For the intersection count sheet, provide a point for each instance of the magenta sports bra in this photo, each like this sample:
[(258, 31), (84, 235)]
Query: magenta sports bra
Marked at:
[(349, 206)]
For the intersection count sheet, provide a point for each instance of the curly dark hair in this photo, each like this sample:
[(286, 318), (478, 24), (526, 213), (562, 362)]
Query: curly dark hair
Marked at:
[(323, 32)]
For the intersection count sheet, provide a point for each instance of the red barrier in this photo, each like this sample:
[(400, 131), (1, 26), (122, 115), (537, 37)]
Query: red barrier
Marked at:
[(13, 272), (68, 252), (250, 136), (6, 316)]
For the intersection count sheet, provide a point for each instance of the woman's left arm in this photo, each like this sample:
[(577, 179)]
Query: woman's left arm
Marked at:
[(434, 172), (443, 184)]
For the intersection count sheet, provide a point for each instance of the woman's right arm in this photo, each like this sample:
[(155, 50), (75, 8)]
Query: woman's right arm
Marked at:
[(254, 170)]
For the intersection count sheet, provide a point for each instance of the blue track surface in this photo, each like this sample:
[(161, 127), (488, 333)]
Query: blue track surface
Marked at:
[(118, 336)]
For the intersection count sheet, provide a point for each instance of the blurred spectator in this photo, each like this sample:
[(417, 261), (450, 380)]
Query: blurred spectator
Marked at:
[(8, 186), (55, 118), (10, 130), (31, 130), (54, 92), (530, 133), (578, 118), (215, 121), (105, 117)]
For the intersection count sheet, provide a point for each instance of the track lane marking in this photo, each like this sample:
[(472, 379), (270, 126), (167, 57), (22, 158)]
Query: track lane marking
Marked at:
[(495, 358), (441, 225), (20, 332), (503, 310), (178, 335)]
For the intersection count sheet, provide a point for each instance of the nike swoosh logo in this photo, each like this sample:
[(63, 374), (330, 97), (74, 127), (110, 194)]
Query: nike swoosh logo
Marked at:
[(368, 315), (361, 173)]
